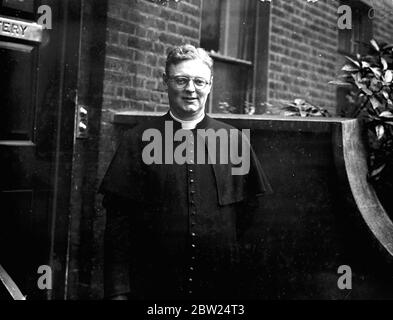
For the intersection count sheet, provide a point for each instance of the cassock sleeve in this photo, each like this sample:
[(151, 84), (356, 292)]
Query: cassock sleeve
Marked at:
[(124, 176), (122, 191), (116, 248), (256, 185), (257, 181)]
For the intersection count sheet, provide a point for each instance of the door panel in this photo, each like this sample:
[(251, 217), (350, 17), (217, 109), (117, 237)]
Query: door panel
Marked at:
[(32, 152), (17, 62)]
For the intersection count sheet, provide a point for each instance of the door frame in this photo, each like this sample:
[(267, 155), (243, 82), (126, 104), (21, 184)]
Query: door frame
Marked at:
[(67, 65)]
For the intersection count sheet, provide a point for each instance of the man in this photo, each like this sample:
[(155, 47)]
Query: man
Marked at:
[(176, 205)]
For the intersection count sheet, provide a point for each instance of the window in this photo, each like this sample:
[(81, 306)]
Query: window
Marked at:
[(356, 40), (351, 42), (228, 33)]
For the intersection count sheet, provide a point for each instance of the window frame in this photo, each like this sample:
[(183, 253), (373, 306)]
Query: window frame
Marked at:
[(364, 28), (360, 12), (257, 77)]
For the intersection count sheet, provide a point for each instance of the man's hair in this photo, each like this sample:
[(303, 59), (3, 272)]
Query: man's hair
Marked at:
[(187, 52)]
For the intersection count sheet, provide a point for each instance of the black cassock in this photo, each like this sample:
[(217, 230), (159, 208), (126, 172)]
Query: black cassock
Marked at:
[(173, 230)]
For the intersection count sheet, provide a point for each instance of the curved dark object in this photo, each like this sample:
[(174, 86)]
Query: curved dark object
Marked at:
[(350, 157)]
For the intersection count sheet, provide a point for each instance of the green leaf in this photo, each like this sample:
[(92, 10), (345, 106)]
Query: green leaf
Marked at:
[(384, 63), (376, 71), (385, 94), (299, 101), (386, 114), (365, 64), (388, 76), (375, 102), (340, 83), (353, 61), (349, 68), (358, 77), (374, 44), (379, 131), (377, 171), (366, 90), (290, 114)]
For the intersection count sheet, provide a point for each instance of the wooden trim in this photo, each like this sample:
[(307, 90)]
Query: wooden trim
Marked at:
[(225, 58), (350, 159), (223, 42), (257, 122), (17, 143), (69, 12), (261, 64), (254, 72)]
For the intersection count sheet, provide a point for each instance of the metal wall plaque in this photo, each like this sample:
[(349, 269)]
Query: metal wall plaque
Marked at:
[(20, 29)]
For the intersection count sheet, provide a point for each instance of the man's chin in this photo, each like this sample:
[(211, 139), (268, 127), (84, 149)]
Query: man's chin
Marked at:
[(191, 109)]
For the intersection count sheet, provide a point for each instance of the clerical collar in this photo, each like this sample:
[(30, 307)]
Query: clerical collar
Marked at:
[(188, 124)]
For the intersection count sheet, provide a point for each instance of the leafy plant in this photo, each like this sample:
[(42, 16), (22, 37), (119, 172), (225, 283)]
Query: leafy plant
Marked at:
[(224, 107), (370, 79), (302, 108), (163, 2)]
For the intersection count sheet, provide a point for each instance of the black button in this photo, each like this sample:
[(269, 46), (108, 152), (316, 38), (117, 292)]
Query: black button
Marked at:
[(192, 191), (191, 180), (192, 268), (193, 245), (190, 292), (190, 279), (192, 202), (193, 234), (193, 258), (191, 170)]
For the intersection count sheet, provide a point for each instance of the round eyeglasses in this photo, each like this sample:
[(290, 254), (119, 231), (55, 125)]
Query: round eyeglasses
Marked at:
[(181, 82)]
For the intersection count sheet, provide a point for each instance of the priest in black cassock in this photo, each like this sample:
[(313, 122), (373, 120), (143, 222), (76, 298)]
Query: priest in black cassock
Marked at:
[(177, 205)]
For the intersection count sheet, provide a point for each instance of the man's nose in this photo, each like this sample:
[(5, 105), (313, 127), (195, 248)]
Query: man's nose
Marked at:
[(190, 86)]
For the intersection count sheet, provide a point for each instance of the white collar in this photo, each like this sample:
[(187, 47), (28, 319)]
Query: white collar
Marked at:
[(188, 124)]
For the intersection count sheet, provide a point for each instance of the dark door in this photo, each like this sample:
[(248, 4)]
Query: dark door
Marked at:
[(36, 134)]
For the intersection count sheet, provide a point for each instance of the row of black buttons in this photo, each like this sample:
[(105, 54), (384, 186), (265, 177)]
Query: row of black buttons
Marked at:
[(192, 208)]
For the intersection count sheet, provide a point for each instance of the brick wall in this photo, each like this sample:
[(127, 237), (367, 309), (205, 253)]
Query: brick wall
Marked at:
[(303, 49), (382, 19), (139, 35), (302, 56)]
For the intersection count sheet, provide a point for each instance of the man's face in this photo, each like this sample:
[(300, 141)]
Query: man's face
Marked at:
[(187, 98)]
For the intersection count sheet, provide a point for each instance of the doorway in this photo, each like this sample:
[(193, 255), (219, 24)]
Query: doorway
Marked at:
[(37, 96)]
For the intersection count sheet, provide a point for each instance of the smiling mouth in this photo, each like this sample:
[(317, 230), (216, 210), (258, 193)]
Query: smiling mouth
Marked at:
[(189, 99)]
